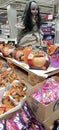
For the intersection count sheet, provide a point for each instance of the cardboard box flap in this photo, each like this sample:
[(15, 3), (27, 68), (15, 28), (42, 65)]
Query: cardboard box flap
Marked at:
[(49, 123)]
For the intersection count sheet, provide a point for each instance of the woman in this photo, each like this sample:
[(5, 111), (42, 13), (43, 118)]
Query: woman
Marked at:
[(29, 31)]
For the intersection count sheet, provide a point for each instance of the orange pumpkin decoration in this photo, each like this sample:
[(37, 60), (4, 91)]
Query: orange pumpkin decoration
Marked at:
[(18, 53), (2, 44), (51, 49), (36, 59), (8, 50), (38, 62), (26, 52)]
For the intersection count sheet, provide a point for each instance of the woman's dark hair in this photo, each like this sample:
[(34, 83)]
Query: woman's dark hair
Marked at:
[(26, 18)]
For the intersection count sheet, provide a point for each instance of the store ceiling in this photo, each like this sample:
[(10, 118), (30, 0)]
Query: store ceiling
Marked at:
[(46, 6)]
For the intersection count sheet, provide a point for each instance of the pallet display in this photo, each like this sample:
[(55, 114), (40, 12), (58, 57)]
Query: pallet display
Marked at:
[(38, 74), (32, 74)]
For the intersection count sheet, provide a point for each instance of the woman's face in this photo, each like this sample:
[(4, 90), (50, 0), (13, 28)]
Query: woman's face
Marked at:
[(34, 8)]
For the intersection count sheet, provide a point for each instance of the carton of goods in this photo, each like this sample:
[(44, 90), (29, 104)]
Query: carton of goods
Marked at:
[(17, 91), (10, 84), (8, 107), (13, 85), (43, 98)]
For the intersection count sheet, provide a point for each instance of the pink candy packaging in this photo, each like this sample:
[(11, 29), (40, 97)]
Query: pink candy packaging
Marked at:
[(14, 123), (48, 92)]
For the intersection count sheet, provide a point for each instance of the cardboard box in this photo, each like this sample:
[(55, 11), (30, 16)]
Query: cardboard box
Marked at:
[(12, 111), (48, 124), (33, 79), (7, 85), (41, 111)]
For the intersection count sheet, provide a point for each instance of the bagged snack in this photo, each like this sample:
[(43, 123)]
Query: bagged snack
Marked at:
[(2, 125)]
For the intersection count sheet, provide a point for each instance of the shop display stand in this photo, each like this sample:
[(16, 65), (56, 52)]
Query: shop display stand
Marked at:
[(43, 73), (39, 75), (32, 73)]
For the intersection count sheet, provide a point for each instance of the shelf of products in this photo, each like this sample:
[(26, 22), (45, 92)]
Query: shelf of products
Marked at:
[(48, 33)]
